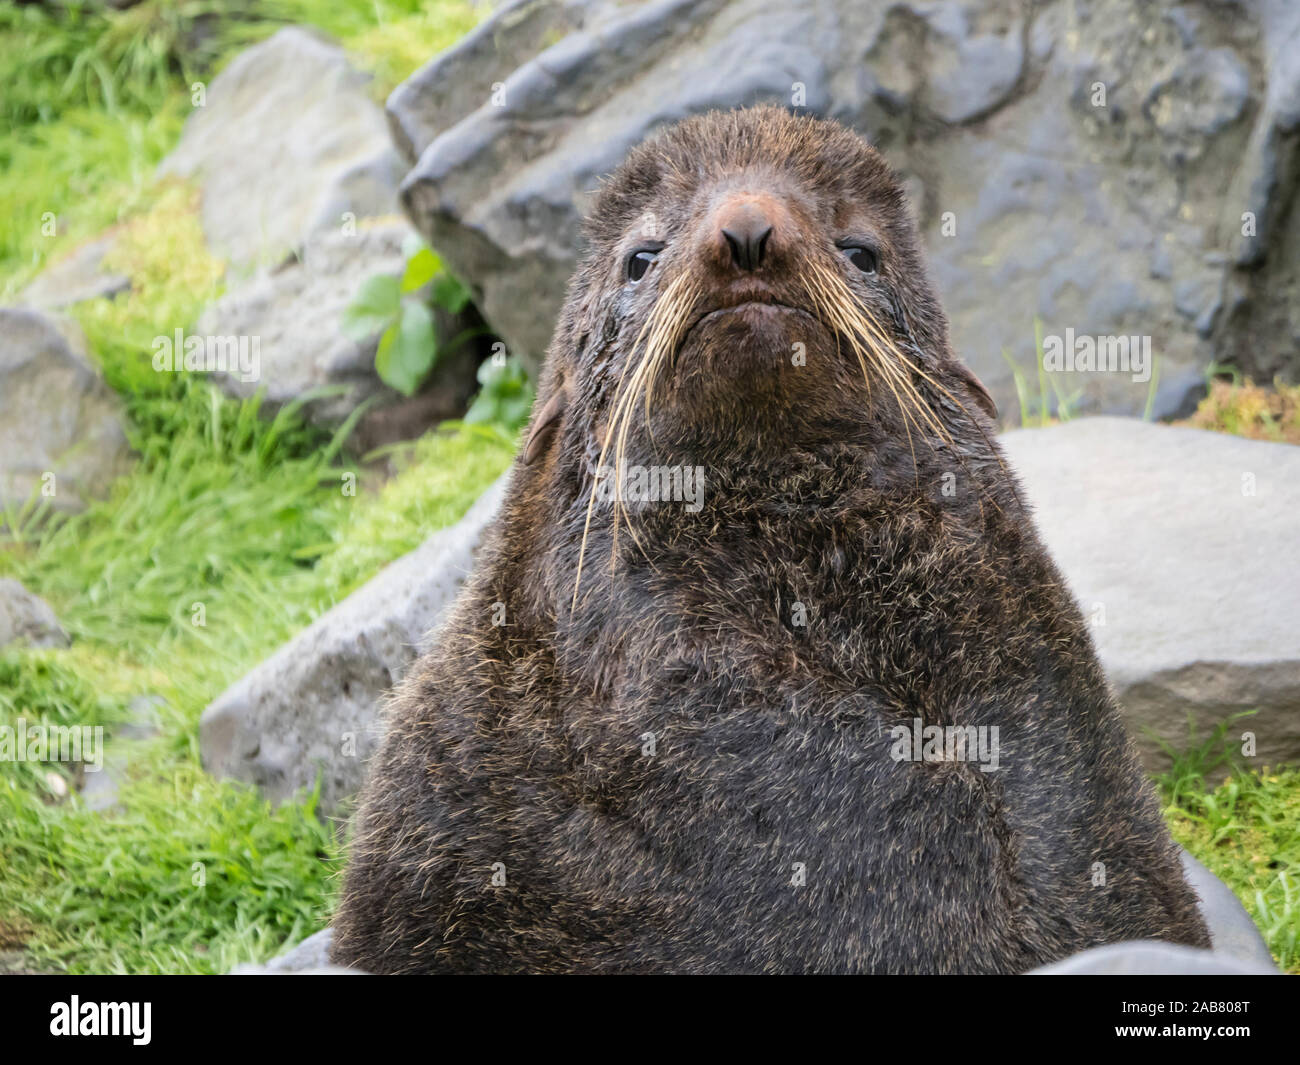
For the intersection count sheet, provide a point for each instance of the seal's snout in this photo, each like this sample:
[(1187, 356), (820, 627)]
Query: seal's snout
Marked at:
[(747, 231)]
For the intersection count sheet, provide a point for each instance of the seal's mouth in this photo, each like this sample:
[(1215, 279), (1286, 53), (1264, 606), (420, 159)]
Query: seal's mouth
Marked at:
[(751, 303), (749, 306)]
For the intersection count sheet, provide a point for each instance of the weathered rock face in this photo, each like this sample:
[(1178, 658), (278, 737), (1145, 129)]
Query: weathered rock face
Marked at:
[(1181, 548), (1112, 167), (295, 313), (27, 619), (312, 706), (61, 429), (286, 144), (76, 277)]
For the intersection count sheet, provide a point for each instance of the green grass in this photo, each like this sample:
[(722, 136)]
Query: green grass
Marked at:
[(266, 540), (195, 875), (94, 99), (246, 518), (1041, 410), (1245, 826), (242, 514)]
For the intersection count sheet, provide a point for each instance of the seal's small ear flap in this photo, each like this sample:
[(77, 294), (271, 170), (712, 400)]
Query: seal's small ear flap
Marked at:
[(544, 426), (977, 389)]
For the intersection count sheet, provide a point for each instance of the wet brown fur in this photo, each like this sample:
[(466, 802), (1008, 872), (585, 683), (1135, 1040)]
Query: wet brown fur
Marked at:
[(520, 748)]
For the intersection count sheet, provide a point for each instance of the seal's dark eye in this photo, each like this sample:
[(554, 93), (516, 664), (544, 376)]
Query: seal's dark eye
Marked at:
[(864, 259), (640, 261)]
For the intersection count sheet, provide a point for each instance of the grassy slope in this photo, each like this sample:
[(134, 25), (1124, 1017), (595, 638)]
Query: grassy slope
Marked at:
[(239, 513), (246, 516)]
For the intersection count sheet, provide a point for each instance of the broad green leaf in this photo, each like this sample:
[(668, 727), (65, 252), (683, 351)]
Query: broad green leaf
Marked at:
[(420, 270), (506, 396), (449, 293), (384, 356), (413, 349), (375, 306), (514, 409), (483, 409)]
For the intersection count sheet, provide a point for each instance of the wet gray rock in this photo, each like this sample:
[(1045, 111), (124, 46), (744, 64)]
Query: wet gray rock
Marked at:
[(100, 787), (1117, 168), (1232, 932), (295, 313), (76, 277), (27, 619), (308, 958), (1142, 958), (62, 435), (1180, 547), (312, 706), (287, 144)]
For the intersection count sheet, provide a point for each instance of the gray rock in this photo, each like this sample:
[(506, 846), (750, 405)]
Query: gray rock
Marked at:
[(295, 313), (1090, 213), (61, 427), (1232, 932), (27, 618), (287, 143), (312, 706), (77, 277), (99, 788), (309, 958), (1142, 958), (1180, 546)]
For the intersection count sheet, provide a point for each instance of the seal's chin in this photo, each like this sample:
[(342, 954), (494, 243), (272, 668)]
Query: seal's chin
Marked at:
[(746, 336)]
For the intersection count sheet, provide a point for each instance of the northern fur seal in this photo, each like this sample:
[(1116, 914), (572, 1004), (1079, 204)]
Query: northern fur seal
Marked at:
[(698, 734)]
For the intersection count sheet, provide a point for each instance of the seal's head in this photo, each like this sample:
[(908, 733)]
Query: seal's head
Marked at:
[(753, 280)]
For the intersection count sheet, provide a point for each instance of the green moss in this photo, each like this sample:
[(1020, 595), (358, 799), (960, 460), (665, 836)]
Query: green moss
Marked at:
[(395, 48), (1243, 408)]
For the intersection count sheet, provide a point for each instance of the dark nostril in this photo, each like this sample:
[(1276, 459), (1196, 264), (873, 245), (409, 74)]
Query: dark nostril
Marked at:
[(746, 233)]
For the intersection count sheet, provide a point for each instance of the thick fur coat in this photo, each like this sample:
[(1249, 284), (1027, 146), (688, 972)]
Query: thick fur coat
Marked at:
[(692, 765)]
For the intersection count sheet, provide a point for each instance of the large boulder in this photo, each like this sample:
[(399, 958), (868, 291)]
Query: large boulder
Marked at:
[(312, 707), (1180, 546), (62, 437), (1112, 167), (286, 143), (295, 313)]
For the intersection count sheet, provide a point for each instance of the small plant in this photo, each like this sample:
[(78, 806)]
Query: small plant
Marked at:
[(1239, 406), (506, 396), (402, 312)]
